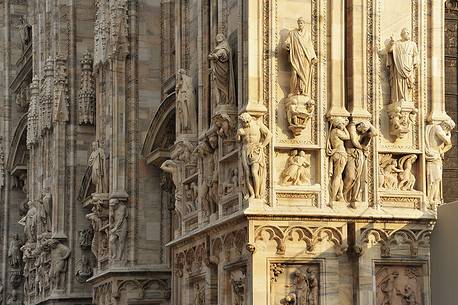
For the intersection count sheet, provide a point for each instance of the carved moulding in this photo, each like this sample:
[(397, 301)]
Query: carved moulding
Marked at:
[(407, 240), (313, 237)]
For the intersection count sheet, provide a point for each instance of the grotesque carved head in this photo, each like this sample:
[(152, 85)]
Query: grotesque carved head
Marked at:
[(245, 118)]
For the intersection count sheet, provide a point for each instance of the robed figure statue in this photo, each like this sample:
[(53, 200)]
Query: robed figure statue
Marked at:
[(302, 57), (97, 164), (402, 61)]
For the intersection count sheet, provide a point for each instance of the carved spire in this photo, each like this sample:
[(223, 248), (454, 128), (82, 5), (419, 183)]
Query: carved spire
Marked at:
[(32, 116), (46, 96), (60, 100), (86, 96)]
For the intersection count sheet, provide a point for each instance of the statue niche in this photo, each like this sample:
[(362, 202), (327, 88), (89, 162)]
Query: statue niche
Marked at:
[(299, 105)]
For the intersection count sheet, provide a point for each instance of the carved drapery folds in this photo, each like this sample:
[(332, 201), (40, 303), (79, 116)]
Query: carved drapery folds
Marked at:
[(185, 104), (86, 95), (118, 230)]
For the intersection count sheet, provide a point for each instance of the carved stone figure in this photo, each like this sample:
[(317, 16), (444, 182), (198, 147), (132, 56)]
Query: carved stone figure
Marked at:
[(232, 183), (406, 177), (222, 72), (59, 258), (199, 294), (299, 110), (402, 116), (300, 287), (255, 136), (312, 287), (295, 172), (86, 94), (171, 167), (96, 224), (13, 298), (185, 104), (85, 237), (389, 289), (97, 164), (61, 97), (402, 61), (338, 155), (302, 58), (389, 171), (209, 188), (84, 270), (290, 299), (29, 221), (357, 150), (408, 295), (438, 142), (14, 252), (44, 207), (238, 288), (118, 230), (25, 32)]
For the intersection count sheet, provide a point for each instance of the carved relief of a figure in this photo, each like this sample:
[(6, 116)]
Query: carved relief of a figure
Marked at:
[(199, 295), (390, 173), (295, 171), (96, 223), (408, 296), (438, 142), (389, 289), (255, 136), (171, 167), (29, 221), (59, 254), (357, 150), (25, 32), (185, 104), (97, 164), (238, 287), (14, 252), (338, 155), (222, 71), (407, 178), (44, 207), (402, 61), (118, 230), (312, 288), (302, 57)]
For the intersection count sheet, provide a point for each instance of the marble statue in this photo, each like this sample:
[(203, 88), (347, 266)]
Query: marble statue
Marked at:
[(302, 58), (222, 72), (96, 224), (44, 206), (118, 230), (238, 288), (338, 155), (299, 110), (14, 252), (388, 288), (408, 295), (295, 172), (29, 221), (389, 171), (231, 184), (98, 170), (357, 151), (185, 104), (406, 177), (25, 32), (312, 287), (254, 136), (171, 167), (59, 254), (402, 62), (438, 142)]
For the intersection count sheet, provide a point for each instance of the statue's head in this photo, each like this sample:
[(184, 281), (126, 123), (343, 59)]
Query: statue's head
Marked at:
[(95, 145), (448, 125), (405, 34), (245, 118), (293, 153), (302, 153), (220, 38), (301, 23), (363, 127)]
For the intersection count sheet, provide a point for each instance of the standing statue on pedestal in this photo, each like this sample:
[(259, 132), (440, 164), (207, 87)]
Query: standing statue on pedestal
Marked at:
[(402, 61), (59, 255), (15, 253), (357, 150), (302, 57), (254, 136), (338, 155), (97, 164), (222, 72), (438, 142), (118, 230), (29, 221), (44, 207), (185, 104)]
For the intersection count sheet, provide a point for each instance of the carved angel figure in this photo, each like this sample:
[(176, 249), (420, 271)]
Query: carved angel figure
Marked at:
[(255, 136), (407, 178), (338, 155), (222, 71), (402, 61), (302, 57)]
